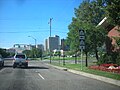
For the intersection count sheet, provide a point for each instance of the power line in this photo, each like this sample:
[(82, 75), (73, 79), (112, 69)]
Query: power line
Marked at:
[(12, 32)]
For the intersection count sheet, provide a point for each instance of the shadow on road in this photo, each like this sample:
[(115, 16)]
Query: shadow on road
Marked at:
[(1, 68), (35, 67), (6, 66), (29, 67)]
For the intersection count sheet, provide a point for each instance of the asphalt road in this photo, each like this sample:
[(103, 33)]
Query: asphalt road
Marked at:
[(39, 76)]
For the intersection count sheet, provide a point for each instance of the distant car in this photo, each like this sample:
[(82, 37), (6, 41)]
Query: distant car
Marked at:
[(1, 61), (20, 59)]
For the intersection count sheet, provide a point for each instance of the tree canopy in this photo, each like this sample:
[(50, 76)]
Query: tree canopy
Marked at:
[(113, 11), (87, 17)]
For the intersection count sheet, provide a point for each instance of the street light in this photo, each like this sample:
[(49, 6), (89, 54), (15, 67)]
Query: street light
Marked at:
[(35, 40)]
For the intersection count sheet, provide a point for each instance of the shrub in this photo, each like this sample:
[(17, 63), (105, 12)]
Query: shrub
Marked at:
[(118, 60), (113, 57)]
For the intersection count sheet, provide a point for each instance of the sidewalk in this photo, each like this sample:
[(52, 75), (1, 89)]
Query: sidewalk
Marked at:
[(104, 79)]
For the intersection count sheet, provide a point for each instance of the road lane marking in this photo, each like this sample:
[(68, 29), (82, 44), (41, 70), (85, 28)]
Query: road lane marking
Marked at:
[(41, 76), (2, 69)]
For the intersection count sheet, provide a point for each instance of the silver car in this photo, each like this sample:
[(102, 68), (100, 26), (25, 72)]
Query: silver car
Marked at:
[(20, 59), (1, 61)]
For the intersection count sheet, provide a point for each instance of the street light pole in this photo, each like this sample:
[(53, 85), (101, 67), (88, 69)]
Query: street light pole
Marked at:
[(50, 25), (50, 36), (35, 41)]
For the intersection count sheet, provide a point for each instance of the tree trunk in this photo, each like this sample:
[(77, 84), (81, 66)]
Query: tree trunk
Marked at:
[(96, 54), (86, 60)]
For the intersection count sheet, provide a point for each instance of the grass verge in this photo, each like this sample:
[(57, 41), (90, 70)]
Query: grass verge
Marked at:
[(91, 71)]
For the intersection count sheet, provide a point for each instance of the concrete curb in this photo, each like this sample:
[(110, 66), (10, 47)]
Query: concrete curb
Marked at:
[(101, 78)]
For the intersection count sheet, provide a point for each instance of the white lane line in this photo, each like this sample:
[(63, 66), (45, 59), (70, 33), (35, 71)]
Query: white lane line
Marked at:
[(41, 76), (2, 70)]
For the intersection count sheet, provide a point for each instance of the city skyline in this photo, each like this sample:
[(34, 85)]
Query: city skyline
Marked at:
[(22, 18)]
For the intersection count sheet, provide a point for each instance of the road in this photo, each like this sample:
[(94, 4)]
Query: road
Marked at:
[(39, 76)]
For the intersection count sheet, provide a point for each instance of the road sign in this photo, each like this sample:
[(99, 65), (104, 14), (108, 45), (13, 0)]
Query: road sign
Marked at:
[(82, 33), (82, 39), (82, 47), (82, 43)]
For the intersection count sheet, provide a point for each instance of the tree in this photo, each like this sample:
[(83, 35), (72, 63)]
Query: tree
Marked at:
[(4, 53), (88, 15), (113, 11), (27, 52), (34, 53), (39, 53)]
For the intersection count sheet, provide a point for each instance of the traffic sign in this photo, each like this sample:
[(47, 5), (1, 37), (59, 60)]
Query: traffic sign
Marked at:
[(82, 43), (82, 47), (82, 33), (82, 39)]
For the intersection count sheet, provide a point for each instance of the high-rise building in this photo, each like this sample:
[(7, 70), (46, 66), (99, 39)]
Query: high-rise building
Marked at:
[(52, 43), (64, 47), (46, 45)]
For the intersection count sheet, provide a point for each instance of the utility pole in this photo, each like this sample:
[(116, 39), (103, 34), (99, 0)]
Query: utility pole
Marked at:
[(50, 25), (50, 36)]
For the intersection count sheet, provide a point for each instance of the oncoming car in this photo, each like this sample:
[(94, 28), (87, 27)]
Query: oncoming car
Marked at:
[(20, 59)]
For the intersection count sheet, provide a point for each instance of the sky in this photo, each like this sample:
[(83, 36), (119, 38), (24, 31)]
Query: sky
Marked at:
[(22, 18)]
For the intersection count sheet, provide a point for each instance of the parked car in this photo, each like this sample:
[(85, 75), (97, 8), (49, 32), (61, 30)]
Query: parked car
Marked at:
[(20, 60), (1, 61)]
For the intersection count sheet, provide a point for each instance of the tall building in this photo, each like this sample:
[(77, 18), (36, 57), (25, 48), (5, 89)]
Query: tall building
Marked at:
[(46, 45), (64, 47), (52, 43)]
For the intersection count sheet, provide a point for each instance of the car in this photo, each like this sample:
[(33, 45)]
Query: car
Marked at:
[(20, 60), (1, 61)]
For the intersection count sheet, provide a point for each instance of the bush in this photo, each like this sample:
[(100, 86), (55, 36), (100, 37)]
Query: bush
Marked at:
[(118, 60), (113, 57), (105, 59)]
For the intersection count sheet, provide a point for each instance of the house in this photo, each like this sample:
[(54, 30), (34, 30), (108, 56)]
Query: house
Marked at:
[(113, 32)]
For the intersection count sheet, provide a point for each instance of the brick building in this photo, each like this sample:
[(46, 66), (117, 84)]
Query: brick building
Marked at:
[(113, 32)]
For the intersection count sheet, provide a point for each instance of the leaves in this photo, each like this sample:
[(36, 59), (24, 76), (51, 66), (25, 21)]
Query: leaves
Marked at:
[(113, 11)]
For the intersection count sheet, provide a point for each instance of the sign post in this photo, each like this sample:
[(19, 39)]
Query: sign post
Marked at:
[(82, 44)]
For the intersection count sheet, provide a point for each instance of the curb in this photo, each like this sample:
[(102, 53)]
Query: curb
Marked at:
[(101, 78)]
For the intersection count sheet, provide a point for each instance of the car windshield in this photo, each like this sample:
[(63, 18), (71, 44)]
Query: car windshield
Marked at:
[(20, 56)]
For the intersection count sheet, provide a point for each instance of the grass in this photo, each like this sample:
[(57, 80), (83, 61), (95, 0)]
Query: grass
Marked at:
[(71, 58), (91, 71)]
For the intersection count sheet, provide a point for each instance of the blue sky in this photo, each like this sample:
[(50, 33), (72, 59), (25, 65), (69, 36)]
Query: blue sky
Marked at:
[(22, 18)]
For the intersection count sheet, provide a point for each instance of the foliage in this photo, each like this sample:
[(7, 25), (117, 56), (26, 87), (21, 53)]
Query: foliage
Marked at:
[(113, 11), (117, 40), (118, 59), (113, 57), (88, 15), (27, 52), (4, 53), (58, 53), (34, 53)]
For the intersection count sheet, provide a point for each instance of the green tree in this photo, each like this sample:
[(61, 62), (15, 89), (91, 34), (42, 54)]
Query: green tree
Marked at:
[(27, 52), (39, 53), (34, 53), (4, 53), (113, 11), (88, 15)]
